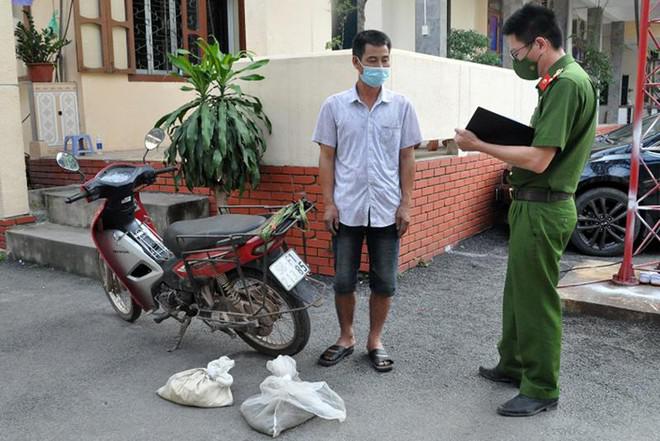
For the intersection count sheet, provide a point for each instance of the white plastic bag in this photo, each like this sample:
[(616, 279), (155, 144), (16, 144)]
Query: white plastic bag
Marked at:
[(286, 401), (201, 387)]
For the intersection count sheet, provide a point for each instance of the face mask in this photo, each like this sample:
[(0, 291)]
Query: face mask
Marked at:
[(374, 76), (526, 69)]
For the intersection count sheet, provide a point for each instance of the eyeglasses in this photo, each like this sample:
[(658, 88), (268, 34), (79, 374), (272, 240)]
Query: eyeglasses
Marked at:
[(514, 53)]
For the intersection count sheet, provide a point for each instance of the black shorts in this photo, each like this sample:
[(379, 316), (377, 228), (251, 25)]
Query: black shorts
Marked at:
[(383, 247)]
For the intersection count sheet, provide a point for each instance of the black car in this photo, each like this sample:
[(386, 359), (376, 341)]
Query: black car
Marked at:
[(602, 194)]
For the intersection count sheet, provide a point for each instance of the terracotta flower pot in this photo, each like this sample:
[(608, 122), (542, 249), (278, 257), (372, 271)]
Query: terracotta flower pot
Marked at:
[(41, 72)]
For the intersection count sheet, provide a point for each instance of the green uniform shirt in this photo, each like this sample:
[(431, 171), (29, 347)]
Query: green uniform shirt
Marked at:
[(565, 118)]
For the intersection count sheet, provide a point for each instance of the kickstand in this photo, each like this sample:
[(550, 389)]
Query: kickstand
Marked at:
[(182, 331)]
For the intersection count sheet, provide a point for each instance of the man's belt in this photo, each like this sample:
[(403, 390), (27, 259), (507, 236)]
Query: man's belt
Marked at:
[(537, 195)]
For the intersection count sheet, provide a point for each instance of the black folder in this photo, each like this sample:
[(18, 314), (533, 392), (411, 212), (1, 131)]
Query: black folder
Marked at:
[(497, 129)]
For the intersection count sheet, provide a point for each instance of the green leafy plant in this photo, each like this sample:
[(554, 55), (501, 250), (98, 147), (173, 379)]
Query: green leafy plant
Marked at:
[(341, 9), (471, 46), (598, 66), (34, 46), (595, 62), (218, 136)]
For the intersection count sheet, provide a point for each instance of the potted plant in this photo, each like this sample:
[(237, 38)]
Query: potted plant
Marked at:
[(38, 49), (218, 136)]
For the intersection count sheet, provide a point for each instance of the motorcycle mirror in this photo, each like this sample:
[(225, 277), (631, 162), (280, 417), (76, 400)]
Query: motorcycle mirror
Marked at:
[(67, 161), (154, 138)]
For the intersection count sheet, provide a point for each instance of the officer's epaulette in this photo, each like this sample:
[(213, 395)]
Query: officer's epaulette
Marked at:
[(547, 80)]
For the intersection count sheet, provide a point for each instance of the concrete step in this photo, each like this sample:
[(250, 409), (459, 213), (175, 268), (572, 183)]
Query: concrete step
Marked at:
[(166, 208), (63, 247), (163, 208)]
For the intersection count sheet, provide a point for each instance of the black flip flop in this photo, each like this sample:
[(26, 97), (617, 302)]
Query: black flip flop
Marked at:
[(380, 360), (334, 354)]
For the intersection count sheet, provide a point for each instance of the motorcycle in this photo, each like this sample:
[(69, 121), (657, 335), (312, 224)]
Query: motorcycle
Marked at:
[(234, 272)]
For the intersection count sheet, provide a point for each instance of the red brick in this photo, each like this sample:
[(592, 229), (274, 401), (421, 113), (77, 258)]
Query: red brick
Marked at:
[(25, 220), (313, 189), (295, 170), (305, 180)]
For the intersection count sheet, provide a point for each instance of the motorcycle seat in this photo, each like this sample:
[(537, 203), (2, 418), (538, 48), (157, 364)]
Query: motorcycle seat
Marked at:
[(215, 227)]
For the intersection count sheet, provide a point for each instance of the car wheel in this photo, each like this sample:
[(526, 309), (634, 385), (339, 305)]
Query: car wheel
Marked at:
[(601, 225)]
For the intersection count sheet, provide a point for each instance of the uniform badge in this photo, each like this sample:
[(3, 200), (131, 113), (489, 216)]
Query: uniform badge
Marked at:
[(547, 79)]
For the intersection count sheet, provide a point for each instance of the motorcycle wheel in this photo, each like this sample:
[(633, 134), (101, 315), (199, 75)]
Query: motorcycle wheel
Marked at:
[(119, 297), (290, 331)]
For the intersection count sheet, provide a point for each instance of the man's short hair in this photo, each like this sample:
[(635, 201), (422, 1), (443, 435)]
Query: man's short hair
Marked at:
[(372, 37), (533, 21)]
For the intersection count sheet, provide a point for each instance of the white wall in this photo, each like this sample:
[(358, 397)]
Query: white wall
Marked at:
[(445, 93), (394, 17), (470, 15), (287, 26)]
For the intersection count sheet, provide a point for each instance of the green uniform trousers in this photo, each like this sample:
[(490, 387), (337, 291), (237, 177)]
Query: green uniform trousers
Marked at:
[(531, 321)]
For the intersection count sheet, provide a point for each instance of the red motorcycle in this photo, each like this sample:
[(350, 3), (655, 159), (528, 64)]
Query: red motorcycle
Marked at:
[(233, 272)]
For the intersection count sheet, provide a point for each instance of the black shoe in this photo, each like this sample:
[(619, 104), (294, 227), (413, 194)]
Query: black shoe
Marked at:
[(497, 376), (522, 406)]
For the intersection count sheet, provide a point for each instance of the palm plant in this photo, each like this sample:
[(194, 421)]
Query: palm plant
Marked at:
[(218, 136)]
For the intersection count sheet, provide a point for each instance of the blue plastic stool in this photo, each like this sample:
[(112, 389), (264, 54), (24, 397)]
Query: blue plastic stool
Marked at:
[(75, 143)]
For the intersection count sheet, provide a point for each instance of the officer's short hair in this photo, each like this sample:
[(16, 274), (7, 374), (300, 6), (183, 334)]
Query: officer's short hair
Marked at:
[(533, 21), (372, 37)]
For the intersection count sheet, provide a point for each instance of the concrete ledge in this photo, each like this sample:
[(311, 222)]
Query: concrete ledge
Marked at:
[(163, 208), (578, 307), (590, 291), (63, 247)]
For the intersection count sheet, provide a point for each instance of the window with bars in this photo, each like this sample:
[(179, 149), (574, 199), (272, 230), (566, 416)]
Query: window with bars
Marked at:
[(151, 30)]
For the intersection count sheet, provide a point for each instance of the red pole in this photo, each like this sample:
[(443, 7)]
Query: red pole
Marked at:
[(626, 274)]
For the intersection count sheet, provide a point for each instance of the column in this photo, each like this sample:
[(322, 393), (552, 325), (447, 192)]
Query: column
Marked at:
[(13, 184), (617, 35), (508, 8), (431, 27), (562, 9), (594, 27)]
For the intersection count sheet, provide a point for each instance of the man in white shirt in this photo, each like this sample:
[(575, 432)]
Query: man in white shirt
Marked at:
[(367, 136)]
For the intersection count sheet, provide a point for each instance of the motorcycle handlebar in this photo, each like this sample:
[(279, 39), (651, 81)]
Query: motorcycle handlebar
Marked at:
[(160, 171), (76, 197)]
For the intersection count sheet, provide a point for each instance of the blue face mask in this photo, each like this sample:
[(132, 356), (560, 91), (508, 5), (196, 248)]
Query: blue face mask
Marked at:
[(374, 76)]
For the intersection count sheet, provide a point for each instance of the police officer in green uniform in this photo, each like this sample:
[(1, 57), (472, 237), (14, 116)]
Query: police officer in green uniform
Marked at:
[(542, 215)]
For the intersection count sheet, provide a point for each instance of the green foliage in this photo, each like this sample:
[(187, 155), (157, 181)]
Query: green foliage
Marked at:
[(218, 136), (3, 257), (336, 43), (596, 63), (471, 46), (33, 46), (598, 66), (342, 9)]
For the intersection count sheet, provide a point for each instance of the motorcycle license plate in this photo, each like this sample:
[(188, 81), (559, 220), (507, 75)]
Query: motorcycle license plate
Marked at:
[(289, 269)]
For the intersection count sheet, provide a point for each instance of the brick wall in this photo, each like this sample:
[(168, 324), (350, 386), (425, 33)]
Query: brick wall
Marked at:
[(453, 199), (6, 224)]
